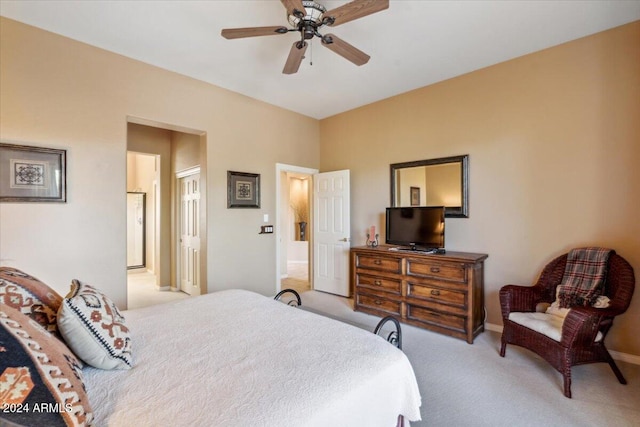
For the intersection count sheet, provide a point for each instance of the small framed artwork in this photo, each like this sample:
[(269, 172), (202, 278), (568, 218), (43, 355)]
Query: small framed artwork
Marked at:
[(32, 174), (243, 190), (415, 196)]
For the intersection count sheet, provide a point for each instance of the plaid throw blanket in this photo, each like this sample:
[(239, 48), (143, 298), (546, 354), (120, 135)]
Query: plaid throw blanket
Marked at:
[(584, 276)]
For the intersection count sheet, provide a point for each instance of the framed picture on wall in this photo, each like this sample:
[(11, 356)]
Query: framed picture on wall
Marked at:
[(243, 190), (415, 196), (32, 174)]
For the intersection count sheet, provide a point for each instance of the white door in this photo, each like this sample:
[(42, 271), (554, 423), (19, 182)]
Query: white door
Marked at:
[(189, 262), (331, 232)]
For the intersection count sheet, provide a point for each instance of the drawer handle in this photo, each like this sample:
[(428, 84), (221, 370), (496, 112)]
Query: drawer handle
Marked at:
[(377, 262), (377, 283), (435, 292), (435, 270), (377, 302)]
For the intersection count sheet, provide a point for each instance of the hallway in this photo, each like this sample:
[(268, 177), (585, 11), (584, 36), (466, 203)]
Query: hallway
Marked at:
[(142, 291)]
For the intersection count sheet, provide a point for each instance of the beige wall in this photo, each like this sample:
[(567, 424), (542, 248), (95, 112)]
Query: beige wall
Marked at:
[(187, 151), (552, 138), (554, 144), (60, 93), (407, 178), (443, 186)]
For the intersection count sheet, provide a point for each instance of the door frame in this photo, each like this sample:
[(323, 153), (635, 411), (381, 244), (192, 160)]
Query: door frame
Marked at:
[(280, 168), (178, 214)]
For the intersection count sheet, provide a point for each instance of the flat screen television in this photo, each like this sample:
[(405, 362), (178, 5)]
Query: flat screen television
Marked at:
[(419, 228)]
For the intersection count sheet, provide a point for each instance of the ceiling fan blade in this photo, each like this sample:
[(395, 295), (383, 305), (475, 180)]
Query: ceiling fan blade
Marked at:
[(238, 33), (292, 5), (354, 10), (345, 50), (295, 57)]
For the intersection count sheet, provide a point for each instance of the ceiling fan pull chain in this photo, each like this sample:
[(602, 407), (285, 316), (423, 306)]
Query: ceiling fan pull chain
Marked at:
[(311, 53)]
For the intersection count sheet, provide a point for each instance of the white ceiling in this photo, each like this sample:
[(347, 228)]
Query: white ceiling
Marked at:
[(411, 44)]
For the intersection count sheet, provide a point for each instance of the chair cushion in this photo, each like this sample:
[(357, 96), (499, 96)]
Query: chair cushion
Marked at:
[(30, 296), (601, 301), (544, 323), (40, 378), (94, 329)]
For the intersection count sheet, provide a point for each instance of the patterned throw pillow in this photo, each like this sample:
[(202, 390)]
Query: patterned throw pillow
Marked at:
[(41, 381), (94, 329), (30, 296)]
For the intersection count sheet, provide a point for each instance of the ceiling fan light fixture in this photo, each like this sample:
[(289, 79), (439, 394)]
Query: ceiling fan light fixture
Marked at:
[(314, 13), (327, 39), (306, 18)]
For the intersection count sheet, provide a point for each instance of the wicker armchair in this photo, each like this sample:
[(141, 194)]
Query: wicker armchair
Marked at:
[(578, 344)]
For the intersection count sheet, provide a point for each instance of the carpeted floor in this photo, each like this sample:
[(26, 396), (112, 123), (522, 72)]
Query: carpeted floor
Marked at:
[(297, 277), (142, 291), (471, 385)]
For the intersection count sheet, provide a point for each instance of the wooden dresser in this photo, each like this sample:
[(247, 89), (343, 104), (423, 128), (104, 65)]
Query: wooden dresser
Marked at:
[(439, 292)]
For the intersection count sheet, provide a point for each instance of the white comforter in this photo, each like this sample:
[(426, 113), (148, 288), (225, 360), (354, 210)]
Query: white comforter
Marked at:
[(236, 358)]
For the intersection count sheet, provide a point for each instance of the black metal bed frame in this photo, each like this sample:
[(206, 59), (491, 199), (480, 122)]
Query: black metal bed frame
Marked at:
[(394, 337), (295, 303)]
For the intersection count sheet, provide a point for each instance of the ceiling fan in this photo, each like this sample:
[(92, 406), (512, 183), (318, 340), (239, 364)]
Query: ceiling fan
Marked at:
[(307, 17)]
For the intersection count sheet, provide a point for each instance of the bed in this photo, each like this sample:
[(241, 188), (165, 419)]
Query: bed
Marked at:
[(237, 358)]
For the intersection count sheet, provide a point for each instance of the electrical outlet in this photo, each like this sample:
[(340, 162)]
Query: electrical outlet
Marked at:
[(266, 229)]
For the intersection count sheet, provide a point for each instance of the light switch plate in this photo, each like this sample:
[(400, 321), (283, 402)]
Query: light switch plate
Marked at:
[(266, 229)]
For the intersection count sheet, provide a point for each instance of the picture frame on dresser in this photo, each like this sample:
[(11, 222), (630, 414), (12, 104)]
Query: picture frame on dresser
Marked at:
[(32, 174)]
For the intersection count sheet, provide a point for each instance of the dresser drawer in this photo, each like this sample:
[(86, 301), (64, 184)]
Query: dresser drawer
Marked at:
[(392, 265), (437, 294), (438, 270), (430, 317), (379, 283), (377, 302)]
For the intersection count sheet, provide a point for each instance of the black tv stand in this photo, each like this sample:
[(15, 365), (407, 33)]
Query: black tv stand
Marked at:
[(416, 249)]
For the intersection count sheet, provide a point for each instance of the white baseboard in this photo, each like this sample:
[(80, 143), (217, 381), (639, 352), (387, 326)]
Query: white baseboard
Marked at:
[(163, 288), (623, 357), (493, 327)]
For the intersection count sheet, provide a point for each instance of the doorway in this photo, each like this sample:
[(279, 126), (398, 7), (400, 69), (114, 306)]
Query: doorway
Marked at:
[(294, 268), (142, 175), (188, 231), (173, 149)]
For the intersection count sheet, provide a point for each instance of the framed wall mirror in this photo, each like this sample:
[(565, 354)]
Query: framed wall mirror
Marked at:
[(433, 182), (136, 230)]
